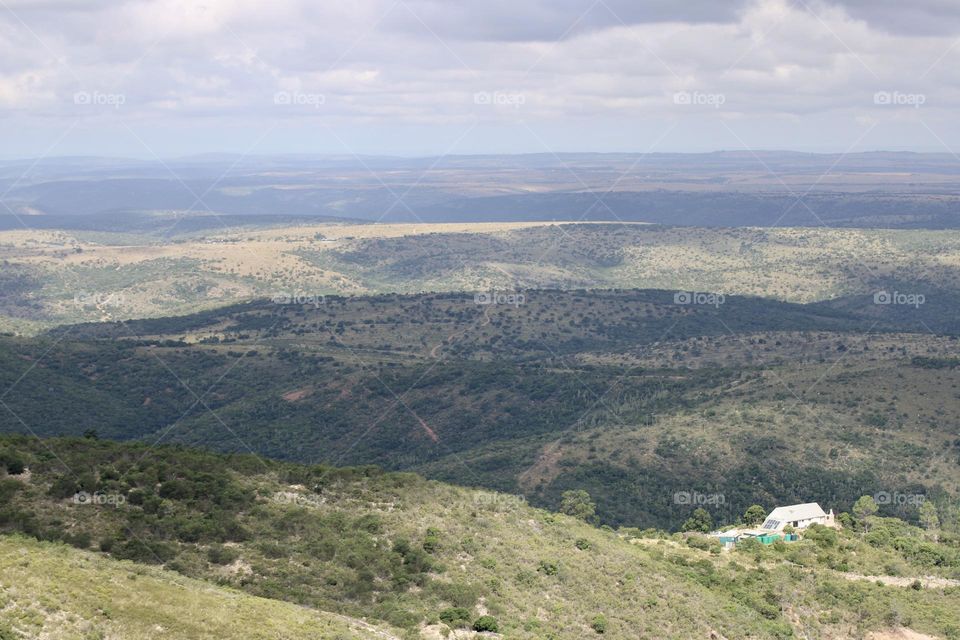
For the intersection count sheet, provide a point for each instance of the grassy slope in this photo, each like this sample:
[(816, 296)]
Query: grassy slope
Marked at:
[(541, 575), (52, 591), (340, 549)]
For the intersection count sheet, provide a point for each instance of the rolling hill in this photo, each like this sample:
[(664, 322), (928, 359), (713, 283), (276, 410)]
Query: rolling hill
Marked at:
[(626, 393), (414, 555), (62, 276)]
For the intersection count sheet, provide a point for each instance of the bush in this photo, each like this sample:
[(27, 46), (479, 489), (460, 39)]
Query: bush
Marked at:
[(176, 490), (431, 543), (219, 554), (548, 568), (6, 632), (704, 543), (599, 623), (79, 540), (8, 487), (153, 553), (486, 623), (455, 616), (63, 487), (823, 536), (582, 543), (12, 462)]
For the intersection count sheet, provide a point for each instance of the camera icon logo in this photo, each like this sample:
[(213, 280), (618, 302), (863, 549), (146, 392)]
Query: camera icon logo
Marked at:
[(883, 497), (283, 98), (882, 297), (483, 97), (484, 297), (682, 97), (682, 297), (682, 497)]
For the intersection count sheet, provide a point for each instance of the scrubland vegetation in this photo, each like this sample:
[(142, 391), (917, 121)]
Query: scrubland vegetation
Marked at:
[(416, 556)]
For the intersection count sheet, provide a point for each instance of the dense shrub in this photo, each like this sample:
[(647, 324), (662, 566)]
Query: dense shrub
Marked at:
[(63, 487), (12, 462), (823, 536), (486, 623), (599, 623), (218, 554), (431, 543), (455, 616), (6, 632), (8, 488)]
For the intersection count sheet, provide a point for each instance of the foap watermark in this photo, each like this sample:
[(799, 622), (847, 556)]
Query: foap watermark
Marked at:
[(699, 297), (500, 99), (299, 99), (909, 299), (899, 99), (498, 500), (899, 499), (99, 99), (499, 297), (298, 499), (699, 98), (99, 300), (698, 499), (285, 297), (99, 498)]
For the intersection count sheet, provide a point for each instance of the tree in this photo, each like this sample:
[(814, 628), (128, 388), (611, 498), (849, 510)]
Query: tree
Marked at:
[(864, 509), (699, 521), (578, 504), (929, 518), (755, 514)]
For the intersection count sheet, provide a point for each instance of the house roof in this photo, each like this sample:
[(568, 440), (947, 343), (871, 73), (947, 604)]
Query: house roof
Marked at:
[(797, 512)]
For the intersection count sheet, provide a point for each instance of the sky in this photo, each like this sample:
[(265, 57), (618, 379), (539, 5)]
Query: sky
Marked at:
[(164, 78)]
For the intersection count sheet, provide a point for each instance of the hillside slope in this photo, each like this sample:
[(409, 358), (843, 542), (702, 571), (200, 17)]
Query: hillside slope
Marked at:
[(53, 591), (625, 393), (426, 557)]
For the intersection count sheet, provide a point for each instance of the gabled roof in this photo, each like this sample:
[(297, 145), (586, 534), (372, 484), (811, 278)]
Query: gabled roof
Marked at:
[(797, 512)]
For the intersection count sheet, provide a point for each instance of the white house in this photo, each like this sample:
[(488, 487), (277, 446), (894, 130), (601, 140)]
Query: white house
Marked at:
[(798, 516)]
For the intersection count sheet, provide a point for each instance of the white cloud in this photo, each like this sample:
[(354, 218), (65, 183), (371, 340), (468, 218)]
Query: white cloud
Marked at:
[(422, 61)]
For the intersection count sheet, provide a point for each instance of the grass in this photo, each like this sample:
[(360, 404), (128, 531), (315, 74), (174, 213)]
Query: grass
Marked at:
[(384, 546), (50, 590), (422, 556)]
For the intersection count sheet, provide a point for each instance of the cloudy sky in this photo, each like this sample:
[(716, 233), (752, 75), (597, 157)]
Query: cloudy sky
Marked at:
[(423, 77)]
